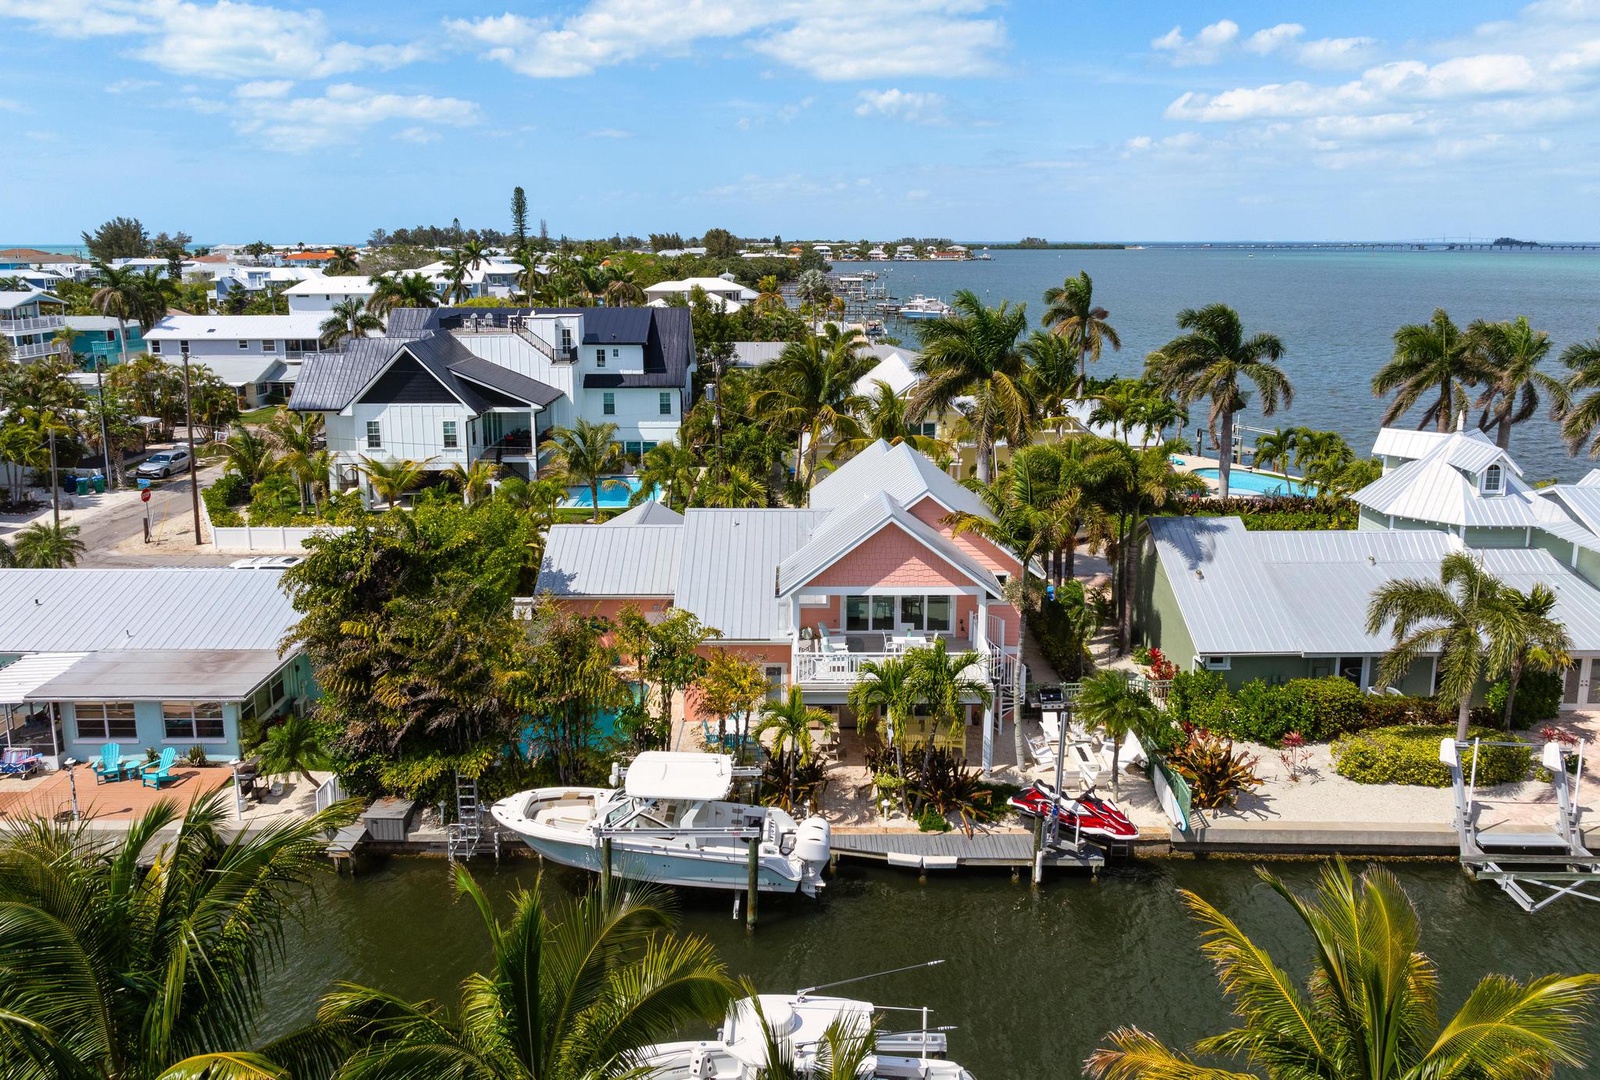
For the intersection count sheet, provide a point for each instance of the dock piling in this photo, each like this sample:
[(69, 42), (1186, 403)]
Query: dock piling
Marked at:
[(754, 883)]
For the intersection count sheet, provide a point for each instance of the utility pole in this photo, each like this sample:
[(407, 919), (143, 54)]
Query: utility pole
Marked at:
[(194, 480), (55, 481), (100, 395)]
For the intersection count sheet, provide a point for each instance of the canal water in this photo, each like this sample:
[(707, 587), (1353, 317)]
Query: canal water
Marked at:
[(1032, 979)]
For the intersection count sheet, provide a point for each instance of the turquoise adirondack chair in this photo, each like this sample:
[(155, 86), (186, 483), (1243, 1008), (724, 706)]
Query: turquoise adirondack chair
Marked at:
[(109, 767), (159, 770)]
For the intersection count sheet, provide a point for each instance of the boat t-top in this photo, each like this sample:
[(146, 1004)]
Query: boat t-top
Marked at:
[(805, 1030), (924, 307), (669, 822)]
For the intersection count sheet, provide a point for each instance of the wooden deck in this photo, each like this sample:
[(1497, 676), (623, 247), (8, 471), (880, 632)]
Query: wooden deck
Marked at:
[(948, 851), (51, 794)]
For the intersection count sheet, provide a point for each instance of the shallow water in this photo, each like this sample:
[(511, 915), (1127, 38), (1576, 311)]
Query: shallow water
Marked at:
[(1032, 978)]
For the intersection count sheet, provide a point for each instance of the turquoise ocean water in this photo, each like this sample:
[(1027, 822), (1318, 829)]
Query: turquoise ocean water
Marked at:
[(1335, 310)]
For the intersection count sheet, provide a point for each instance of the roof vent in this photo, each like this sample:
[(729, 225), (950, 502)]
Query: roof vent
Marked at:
[(1199, 575), (1372, 560)]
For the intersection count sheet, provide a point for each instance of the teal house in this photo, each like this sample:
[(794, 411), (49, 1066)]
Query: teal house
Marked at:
[(1285, 605), (98, 337), (145, 658)]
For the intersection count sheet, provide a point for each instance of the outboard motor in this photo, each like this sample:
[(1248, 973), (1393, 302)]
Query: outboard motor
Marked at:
[(813, 848)]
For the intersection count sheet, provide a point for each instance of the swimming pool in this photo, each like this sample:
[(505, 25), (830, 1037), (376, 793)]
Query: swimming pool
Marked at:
[(1258, 483), (615, 493)]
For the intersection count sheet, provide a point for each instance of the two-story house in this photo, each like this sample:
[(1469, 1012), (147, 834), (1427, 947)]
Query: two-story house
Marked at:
[(28, 322), (258, 355), (449, 386), (322, 292), (98, 338), (868, 571)]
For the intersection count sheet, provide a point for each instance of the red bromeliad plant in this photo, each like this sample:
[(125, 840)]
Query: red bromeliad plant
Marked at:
[(1161, 669)]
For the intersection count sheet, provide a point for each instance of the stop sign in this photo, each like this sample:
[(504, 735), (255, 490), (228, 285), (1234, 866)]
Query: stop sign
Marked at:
[(144, 496)]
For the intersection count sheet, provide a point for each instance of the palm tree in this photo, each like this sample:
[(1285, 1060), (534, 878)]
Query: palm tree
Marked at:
[(1212, 362), (564, 998), (391, 479), (347, 319), (474, 254), (1370, 1011), (250, 455), (297, 435), (622, 289), (1459, 619), (394, 291), (674, 470), (343, 262), (1510, 354), (475, 479), (888, 686), (1580, 419), (974, 354), (1273, 451), (122, 296), (945, 684), (114, 965), (1071, 314), (790, 722), (842, 1052), (812, 390), (1052, 375), (769, 295), (47, 547), (883, 415), (814, 293), (294, 746), (586, 455), (1429, 356), (1523, 637), (1106, 701), (456, 272)]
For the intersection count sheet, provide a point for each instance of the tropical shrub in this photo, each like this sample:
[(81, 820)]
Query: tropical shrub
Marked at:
[(1331, 706), (1387, 710), (942, 782), (1299, 513), (1538, 698), (1192, 692), (197, 757), (1216, 772), (930, 820), (1263, 713), (1410, 755), (1063, 627)]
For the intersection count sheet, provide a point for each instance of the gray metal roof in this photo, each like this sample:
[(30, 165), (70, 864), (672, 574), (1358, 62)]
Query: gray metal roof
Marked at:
[(163, 675), (408, 322), (1442, 488), (328, 381), (1306, 593), (730, 569), (86, 610), (611, 560), (474, 369), (756, 353), (845, 530), (901, 472), (649, 512)]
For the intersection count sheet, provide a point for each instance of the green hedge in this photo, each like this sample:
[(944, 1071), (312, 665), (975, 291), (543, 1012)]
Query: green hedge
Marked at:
[(1319, 709), (1538, 698), (1410, 755)]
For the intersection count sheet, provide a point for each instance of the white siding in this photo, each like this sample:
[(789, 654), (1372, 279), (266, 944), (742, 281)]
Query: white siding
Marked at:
[(638, 415), (409, 431)]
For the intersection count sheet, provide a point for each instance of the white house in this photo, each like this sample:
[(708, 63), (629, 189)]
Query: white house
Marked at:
[(494, 276), (732, 295), (453, 385), (322, 292), (259, 355)]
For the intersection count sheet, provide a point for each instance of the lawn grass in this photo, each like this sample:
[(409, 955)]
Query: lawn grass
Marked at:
[(258, 416)]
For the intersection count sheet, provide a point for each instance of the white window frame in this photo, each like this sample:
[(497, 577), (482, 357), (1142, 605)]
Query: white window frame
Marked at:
[(79, 708), (1218, 663), (374, 432), (1498, 476), (449, 435), (269, 345), (608, 403), (155, 347), (777, 676), (173, 710), (244, 343), (599, 358)]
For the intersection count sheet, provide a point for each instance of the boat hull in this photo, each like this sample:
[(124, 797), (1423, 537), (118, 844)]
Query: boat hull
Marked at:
[(703, 870)]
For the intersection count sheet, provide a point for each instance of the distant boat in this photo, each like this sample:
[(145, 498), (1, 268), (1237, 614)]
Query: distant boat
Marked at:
[(921, 307), (984, 256)]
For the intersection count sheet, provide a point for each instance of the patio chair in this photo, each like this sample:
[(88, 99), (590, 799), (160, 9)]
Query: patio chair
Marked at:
[(109, 767), (1043, 753), (159, 770), (19, 761)]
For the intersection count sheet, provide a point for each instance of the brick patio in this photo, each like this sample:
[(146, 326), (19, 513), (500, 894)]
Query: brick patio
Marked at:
[(51, 794)]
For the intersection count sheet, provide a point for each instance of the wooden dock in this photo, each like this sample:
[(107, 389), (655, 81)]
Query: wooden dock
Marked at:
[(952, 850)]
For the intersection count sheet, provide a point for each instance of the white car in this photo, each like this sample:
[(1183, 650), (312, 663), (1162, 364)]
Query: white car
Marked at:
[(164, 463), (267, 562)]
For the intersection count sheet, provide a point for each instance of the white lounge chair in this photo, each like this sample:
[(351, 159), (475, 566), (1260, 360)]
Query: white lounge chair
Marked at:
[(1132, 752), (1042, 750)]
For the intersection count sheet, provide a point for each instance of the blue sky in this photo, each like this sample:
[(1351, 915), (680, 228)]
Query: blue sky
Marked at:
[(831, 118)]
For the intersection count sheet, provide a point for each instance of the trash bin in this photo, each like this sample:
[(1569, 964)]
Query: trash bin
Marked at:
[(83, 485), (99, 484)]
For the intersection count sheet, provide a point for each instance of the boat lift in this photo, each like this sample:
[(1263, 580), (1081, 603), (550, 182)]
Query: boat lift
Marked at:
[(1554, 862)]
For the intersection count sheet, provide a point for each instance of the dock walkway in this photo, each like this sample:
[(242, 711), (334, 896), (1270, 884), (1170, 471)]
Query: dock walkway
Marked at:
[(948, 851)]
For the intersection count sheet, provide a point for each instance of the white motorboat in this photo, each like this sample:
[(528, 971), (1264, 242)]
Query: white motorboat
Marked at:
[(924, 307), (670, 823), (800, 1028)]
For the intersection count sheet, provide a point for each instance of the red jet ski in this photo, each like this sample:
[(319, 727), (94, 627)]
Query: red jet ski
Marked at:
[(1094, 817)]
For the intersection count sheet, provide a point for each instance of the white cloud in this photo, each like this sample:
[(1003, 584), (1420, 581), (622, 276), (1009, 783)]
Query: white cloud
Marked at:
[(1223, 39), (610, 133), (224, 39), (829, 39), (419, 135), (911, 106), (264, 88), (759, 114), (1206, 47), (130, 86), (1347, 52), (1270, 40), (342, 114)]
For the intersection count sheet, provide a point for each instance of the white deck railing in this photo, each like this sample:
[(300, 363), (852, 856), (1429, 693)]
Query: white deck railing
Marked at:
[(844, 668), (38, 323)]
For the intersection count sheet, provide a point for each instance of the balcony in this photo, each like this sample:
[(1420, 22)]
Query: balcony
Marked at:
[(39, 324), (32, 352), (839, 668)]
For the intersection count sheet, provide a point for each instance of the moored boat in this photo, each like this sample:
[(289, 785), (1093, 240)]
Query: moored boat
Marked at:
[(924, 307)]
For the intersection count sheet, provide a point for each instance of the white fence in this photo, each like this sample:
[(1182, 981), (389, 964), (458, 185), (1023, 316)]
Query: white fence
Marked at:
[(262, 539)]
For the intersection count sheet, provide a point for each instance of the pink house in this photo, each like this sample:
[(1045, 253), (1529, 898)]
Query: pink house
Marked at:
[(869, 570)]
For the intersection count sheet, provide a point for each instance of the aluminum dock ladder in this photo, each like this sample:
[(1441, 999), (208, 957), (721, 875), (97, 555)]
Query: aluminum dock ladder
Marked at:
[(466, 835)]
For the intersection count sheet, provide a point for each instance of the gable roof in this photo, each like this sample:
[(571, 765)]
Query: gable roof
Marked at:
[(649, 512), (1440, 487), (330, 382), (1406, 443), (15, 298), (731, 571), (899, 470), (846, 530)]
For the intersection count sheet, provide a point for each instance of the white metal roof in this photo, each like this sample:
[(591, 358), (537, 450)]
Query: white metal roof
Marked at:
[(21, 677), (894, 369), (333, 285), (301, 325), (715, 286), (1406, 443), (87, 610), (730, 568), (611, 560), (13, 298), (241, 370), (1442, 487), (898, 470), (663, 774), (649, 512), (1579, 500)]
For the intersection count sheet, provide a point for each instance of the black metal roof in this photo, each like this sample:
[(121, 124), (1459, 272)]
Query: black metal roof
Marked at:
[(329, 382)]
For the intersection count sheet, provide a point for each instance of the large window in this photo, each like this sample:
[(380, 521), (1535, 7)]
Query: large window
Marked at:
[(374, 435), (599, 358), (106, 720), (265, 701), (192, 720), (869, 613), (932, 614)]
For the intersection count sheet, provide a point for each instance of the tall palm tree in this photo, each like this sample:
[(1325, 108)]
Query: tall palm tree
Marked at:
[(116, 966), (343, 262), (622, 289), (1108, 702), (347, 319), (1071, 314), (1510, 354), (474, 254), (1276, 449), (769, 296), (812, 390), (456, 271), (1459, 620), (122, 296), (1429, 356), (1052, 375), (888, 686), (566, 997), (674, 470), (475, 480), (1524, 637), (586, 455), (1581, 418), (391, 479), (47, 547), (790, 721), (1213, 362), (814, 293), (974, 353), (402, 290), (250, 455), (1370, 1011)]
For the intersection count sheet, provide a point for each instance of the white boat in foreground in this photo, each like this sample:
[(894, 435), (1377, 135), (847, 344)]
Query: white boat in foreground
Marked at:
[(670, 823), (800, 1028)]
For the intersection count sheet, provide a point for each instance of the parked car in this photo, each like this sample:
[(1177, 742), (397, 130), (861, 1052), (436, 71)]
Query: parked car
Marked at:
[(267, 562), (164, 463)]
